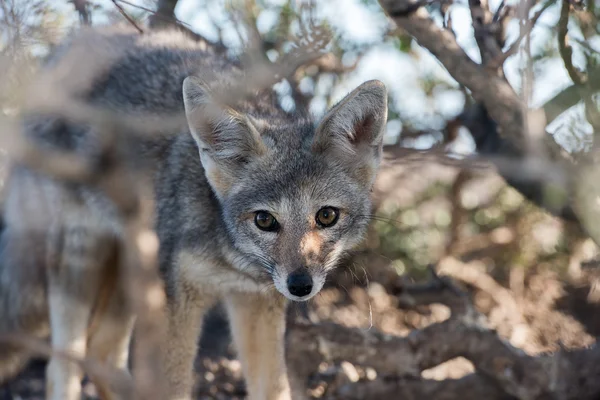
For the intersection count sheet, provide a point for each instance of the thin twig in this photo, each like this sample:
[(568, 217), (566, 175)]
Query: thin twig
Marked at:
[(153, 12), (127, 17), (498, 12), (517, 43)]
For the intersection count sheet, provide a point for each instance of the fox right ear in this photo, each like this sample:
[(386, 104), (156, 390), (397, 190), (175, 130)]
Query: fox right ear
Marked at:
[(353, 129), (357, 120), (226, 139)]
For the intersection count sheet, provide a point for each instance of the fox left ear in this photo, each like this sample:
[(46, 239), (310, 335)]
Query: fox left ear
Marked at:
[(354, 127), (227, 140)]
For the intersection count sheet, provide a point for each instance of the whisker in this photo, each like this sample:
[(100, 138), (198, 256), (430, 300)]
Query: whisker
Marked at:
[(354, 276), (344, 287), (368, 299), (373, 217)]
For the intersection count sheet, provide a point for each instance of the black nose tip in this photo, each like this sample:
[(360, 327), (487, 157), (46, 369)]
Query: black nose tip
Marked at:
[(299, 283)]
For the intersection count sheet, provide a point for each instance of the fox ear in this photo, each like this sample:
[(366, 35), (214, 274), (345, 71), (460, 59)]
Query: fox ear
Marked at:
[(226, 139), (353, 129), (356, 121)]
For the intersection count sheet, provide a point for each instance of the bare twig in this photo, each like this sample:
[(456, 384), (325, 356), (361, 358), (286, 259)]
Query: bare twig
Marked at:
[(162, 19), (566, 52), (514, 47), (155, 14), (127, 17), (498, 12)]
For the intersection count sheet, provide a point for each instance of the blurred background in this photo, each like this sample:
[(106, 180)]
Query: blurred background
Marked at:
[(456, 195)]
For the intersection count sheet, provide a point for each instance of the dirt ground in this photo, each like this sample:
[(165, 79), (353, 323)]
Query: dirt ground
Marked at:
[(553, 311)]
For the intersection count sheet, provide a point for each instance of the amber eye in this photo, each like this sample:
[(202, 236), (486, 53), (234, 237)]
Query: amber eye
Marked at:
[(265, 221), (327, 216)]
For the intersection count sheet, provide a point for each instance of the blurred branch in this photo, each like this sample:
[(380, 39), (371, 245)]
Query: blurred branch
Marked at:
[(118, 380), (139, 245), (549, 191), (561, 102), (154, 14), (542, 182), (514, 47), (127, 17), (164, 17), (81, 6), (327, 63), (566, 51)]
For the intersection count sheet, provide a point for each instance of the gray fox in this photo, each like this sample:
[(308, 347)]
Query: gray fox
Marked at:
[(253, 207)]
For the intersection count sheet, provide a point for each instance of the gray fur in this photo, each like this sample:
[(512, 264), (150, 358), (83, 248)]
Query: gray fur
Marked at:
[(263, 158)]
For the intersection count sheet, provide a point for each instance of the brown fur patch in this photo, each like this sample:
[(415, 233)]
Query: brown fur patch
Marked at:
[(311, 244)]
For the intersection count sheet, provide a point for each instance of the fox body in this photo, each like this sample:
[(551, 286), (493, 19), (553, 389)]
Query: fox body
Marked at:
[(253, 206)]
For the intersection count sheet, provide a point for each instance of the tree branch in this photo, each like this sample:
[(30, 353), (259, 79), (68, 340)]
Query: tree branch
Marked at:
[(127, 17), (504, 107), (81, 6), (514, 47), (497, 95), (566, 51), (482, 20), (562, 375), (164, 14), (502, 371), (164, 17)]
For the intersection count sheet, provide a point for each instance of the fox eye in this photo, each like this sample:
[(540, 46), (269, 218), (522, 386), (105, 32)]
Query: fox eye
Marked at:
[(327, 216), (265, 221)]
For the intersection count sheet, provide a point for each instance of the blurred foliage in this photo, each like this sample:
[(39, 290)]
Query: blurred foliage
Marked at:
[(503, 232)]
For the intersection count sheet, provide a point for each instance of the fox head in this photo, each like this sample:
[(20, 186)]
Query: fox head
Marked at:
[(294, 196)]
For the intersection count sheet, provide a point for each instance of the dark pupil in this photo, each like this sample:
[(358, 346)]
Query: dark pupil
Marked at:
[(326, 216), (264, 220)]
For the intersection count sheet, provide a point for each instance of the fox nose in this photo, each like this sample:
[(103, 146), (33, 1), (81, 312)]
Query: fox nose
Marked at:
[(299, 283)]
